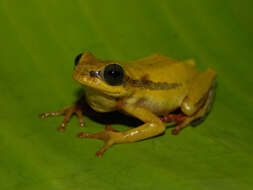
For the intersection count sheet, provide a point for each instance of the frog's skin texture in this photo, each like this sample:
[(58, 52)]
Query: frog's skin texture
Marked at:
[(150, 90)]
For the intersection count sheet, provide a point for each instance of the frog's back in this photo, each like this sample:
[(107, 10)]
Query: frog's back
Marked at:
[(160, 68)]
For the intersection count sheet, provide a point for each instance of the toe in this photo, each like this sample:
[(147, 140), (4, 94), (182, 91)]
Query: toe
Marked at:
[(83, 135), (175, 131), (100, 153), (61, 128)]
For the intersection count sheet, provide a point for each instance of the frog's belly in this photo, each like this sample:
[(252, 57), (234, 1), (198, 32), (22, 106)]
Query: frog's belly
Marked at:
[(160, 104), (159, 107)]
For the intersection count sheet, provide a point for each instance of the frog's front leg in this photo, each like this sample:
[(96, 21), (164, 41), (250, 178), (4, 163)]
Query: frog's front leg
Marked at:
[(152, 126), (67, 112)]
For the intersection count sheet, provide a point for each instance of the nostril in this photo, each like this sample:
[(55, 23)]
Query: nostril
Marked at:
[(93, 74), (77, 59)]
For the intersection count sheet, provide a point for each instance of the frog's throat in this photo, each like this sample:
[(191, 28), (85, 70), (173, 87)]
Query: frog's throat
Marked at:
[(148, 84)]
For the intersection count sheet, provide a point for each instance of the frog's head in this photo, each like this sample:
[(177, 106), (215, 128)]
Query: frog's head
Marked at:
[(105, 76)]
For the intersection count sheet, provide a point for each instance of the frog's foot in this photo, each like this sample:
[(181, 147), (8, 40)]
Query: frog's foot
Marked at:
[(179, 127), (178, 118), (67, 112), (186, 122), (108, 136)]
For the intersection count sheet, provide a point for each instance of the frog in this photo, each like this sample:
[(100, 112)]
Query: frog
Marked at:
[(155, 89)]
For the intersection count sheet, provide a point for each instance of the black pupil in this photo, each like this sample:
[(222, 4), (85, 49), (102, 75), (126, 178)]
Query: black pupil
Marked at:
[(114, 74), (78, 58)]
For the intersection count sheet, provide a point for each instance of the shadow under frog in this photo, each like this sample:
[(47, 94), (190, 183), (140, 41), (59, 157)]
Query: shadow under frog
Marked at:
[(107, 118)]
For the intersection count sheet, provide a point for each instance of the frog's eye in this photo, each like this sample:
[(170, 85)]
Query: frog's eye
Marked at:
[(113, 74), (78, 58)]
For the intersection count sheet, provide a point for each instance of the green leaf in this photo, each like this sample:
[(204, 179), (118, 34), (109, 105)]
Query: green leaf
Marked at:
[(39, 41)]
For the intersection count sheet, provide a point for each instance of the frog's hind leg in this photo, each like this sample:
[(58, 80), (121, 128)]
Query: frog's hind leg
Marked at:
[(197, 104), (203, 113)]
